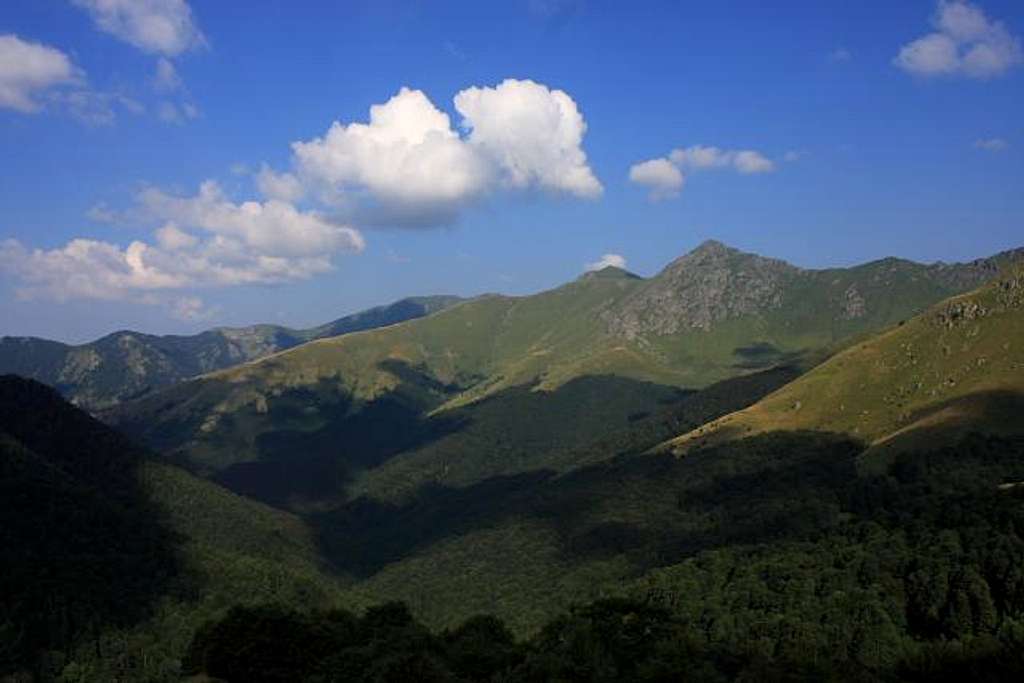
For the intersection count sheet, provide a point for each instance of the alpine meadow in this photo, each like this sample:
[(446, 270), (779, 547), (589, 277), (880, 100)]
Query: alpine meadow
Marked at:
[(667, 341)]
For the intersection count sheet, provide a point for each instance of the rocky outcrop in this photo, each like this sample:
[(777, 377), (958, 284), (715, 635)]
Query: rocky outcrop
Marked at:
[(715, 283), (710, 284)]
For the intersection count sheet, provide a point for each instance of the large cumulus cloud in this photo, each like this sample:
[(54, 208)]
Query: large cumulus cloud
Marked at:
[(408, 165)]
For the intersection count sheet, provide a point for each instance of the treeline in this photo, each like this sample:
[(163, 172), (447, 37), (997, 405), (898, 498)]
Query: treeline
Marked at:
[(608, 640)]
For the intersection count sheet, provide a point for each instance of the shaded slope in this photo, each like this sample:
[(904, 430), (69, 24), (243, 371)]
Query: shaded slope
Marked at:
[(81, 544), (110, 560), (785, 516), (127, 364), (959, 366)]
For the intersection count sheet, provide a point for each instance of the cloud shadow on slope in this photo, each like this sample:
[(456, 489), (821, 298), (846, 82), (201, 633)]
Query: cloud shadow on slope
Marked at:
[(655, 510), (365, 534)]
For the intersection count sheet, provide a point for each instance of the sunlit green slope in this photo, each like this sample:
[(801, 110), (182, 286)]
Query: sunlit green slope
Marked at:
[(957, 367)]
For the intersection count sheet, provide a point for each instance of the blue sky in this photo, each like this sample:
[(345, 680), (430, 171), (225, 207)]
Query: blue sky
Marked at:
[(824, 133)]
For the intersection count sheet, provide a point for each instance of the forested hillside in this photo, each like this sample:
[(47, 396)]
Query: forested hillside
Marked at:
[(111, 559)]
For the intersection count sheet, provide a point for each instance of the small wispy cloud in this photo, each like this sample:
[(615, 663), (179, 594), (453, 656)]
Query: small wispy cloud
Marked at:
[(160, 27), (166, 78), (177, 114), (661, 176), (991, 144), (665, 176), (607, 261)]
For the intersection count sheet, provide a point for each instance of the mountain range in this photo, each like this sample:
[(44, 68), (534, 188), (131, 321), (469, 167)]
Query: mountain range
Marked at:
[(128, 364), (811, 471), (384, 411)]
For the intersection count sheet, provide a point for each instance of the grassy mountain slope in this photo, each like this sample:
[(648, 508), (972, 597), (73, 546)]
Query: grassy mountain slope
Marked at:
[(777, 525), (381, 412), (958, 366), (111, 560), (127, 364)]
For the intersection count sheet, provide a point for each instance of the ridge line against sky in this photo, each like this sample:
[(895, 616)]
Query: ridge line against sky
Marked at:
[(172, 169)]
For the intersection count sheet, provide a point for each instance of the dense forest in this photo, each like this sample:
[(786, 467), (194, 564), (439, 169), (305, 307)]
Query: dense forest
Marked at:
[(914, 574)]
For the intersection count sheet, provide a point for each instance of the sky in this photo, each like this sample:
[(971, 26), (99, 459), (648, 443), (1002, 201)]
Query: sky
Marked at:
[(174, 165)]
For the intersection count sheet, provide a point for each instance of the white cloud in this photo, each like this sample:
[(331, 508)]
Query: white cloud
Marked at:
[(273, 227), (793, 155), (33, 75), (664, 178), (28, 70), (407, 157), (166, 78), (410, 165), (172, 238), (700, 157), (534, 133), (203, 241), (283, 186), (991, 144), (965, 43), (163, 27), (607, 261), (748, 161)]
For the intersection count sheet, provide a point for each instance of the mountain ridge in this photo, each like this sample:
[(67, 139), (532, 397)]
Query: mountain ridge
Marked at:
[(125, 364), (430, 378), (953, 368)]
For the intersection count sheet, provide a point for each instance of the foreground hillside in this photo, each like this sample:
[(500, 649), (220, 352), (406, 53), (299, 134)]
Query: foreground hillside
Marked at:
[(957, 367), (111, 560), (489, 387), (128, 364)]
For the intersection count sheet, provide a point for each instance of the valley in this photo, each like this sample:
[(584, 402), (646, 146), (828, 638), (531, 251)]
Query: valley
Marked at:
[(521, 457)]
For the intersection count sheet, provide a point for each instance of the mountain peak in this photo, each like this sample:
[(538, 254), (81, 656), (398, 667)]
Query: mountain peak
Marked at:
[(701, 288), (712, 248), (610, 273)]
